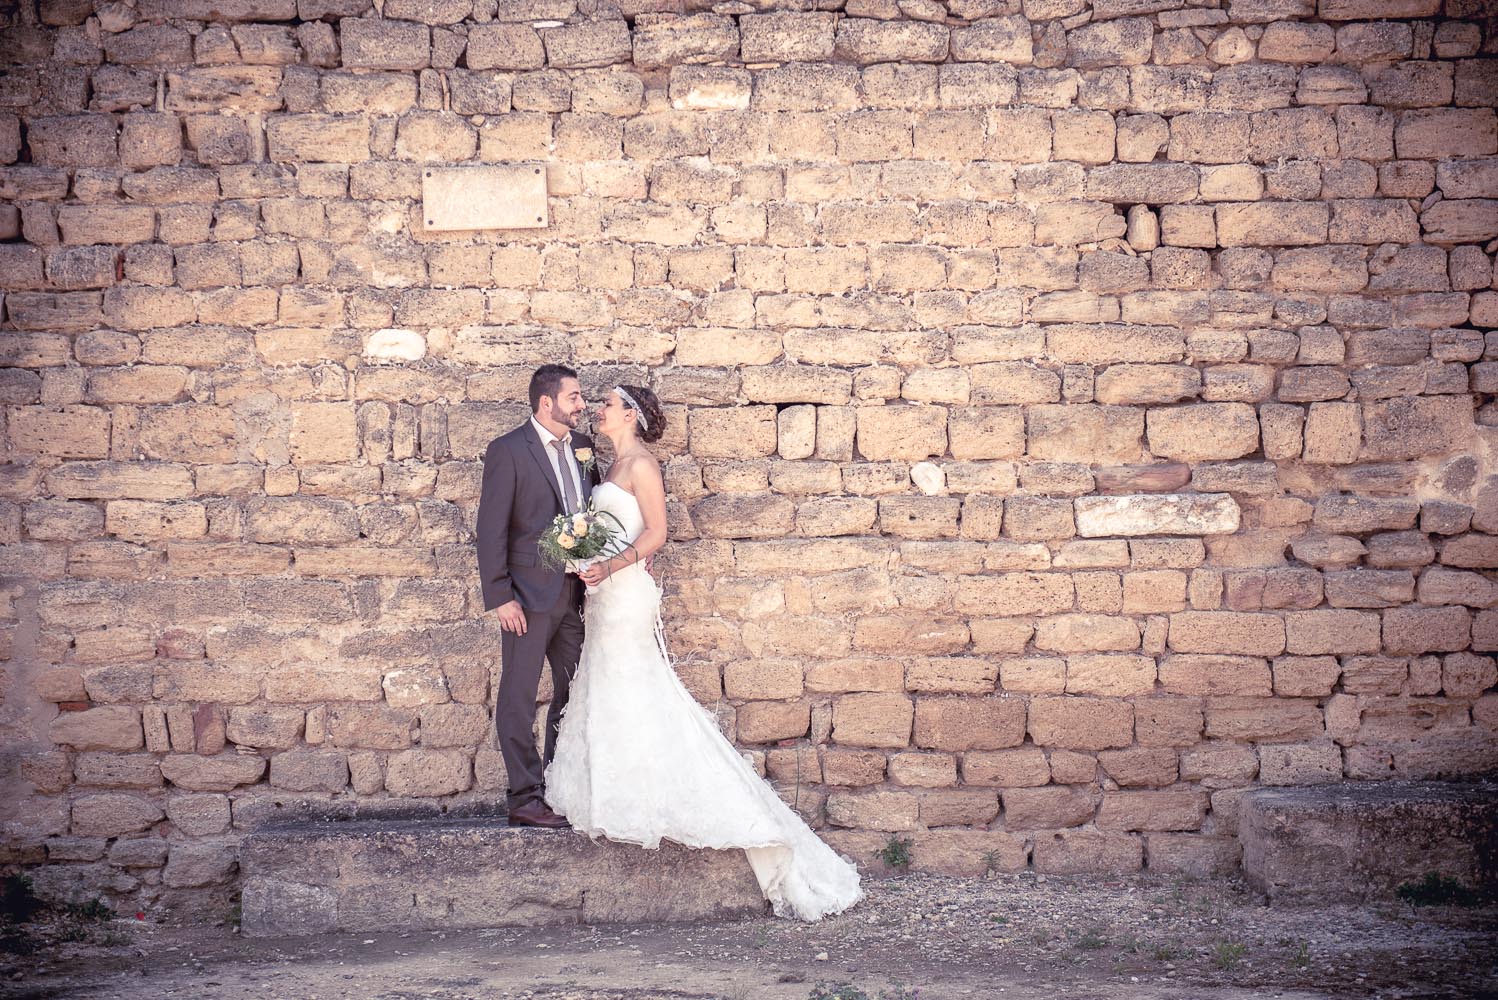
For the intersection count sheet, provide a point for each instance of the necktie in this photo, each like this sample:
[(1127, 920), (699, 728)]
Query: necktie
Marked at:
[(569, 492)]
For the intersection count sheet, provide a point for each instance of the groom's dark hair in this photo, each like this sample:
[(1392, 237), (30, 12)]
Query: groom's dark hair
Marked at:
[(547, 381)]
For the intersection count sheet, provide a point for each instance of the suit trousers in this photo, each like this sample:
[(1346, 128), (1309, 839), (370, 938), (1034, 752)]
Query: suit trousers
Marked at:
[(555, 636)]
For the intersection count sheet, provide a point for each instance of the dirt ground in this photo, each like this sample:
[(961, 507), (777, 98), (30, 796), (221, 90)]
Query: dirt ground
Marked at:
[(935, 938)]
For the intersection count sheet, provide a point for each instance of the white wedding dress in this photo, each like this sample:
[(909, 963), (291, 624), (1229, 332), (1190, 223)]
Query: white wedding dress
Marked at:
[(638, 760)]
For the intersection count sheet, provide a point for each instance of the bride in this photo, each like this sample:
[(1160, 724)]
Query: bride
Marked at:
[(637, 759)]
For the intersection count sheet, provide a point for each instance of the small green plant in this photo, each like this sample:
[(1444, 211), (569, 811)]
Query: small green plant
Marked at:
[(94, 911), (991, 861), (1166, 952), (1130, 944), (899, 991), (1302, 957), (842, 991), (1436, 889), (847, 991), (1090, 940), (1228, 954), (896, 852), (998, 918)]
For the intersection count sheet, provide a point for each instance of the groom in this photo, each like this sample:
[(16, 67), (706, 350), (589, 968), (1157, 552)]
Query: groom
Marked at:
[(531, 475)]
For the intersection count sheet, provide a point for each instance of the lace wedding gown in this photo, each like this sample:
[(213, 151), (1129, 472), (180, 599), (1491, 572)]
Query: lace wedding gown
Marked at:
[(638, 760)]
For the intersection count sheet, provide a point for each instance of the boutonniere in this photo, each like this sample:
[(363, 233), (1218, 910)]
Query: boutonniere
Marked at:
[(584, 458)]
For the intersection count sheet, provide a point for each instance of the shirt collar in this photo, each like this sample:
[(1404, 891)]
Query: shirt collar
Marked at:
[(547, 437)]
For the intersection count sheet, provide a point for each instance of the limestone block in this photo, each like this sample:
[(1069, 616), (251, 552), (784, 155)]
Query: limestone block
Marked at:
[(1004, 40), (1152, 810), (874, 719), (268, 727), (198, 815), (1425, 630), (1150, 767), (901, 432), (1332, 632), (504, 46), (69, 432), (1117, 42), (1465, 675), (733, 431), (787, 37), (1272, 224), (864, 41), (671, 40), (220, 773), (318, 138), (1227, 632), (969, 723), (423, 773), (110, 727), (110, 814), (1081, 723), (376, 43), (1203, 431), (594, 43), (1049, 808), (1142, 183), (310, 770), (1085, 433), (879, 810), (199, 863), (1441, 132), (1156, 514)]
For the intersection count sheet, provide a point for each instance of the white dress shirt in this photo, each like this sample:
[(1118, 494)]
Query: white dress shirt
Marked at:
[(547, 437)]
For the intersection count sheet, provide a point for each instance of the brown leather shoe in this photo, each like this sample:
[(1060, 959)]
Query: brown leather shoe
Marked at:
[(537, 813)]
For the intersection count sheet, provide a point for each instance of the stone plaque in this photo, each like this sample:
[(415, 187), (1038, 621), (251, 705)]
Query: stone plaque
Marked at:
[(510, 196)]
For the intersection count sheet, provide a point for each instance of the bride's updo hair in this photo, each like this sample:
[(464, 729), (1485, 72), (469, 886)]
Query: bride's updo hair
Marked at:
[(650, 409)]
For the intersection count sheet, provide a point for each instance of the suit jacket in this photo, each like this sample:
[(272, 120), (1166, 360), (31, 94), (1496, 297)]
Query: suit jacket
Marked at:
[(519, 499)]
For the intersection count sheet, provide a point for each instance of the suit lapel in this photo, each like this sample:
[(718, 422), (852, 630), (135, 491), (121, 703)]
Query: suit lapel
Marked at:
[(548, 470)]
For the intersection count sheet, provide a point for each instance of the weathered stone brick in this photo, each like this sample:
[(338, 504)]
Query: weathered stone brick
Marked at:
[(1227, 632), (377, 43), (669, 40), (787, 37), (596, 43), (865, 41), (1081, 723), (969, 723), (1272, 224), (875, 719), (318, 138), (112, 727), (505, 46), (1204, 431)]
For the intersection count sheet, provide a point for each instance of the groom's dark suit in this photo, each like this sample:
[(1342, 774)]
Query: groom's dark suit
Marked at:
[(519, 499)]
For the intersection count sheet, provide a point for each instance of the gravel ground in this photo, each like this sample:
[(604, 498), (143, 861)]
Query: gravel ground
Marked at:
[(916, 935)]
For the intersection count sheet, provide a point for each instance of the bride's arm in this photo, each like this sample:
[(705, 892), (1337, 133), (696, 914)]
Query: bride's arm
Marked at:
[(650, 492)]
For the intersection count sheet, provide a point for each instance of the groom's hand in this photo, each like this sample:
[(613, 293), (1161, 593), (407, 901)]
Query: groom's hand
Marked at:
[(512, 617)]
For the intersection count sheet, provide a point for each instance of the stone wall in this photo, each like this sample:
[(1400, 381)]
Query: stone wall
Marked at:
[(1079, 414)]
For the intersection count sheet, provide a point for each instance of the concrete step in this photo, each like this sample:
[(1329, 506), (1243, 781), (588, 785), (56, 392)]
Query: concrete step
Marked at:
[(312, 877), (1353, 842)]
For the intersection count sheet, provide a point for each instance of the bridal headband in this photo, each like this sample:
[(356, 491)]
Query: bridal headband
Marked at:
[(630, 401)]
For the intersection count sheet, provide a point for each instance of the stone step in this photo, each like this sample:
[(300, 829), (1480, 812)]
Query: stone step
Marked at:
[(1353, 842), (380, 874)]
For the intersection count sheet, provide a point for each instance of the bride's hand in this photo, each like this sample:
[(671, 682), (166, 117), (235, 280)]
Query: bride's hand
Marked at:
[(595, 574)]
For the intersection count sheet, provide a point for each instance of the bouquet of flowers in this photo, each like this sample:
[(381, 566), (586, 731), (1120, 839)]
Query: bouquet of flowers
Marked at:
[(573, 542)]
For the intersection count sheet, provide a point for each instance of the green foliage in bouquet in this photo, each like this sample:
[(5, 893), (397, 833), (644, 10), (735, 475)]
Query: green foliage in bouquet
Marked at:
[(573, 538)]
